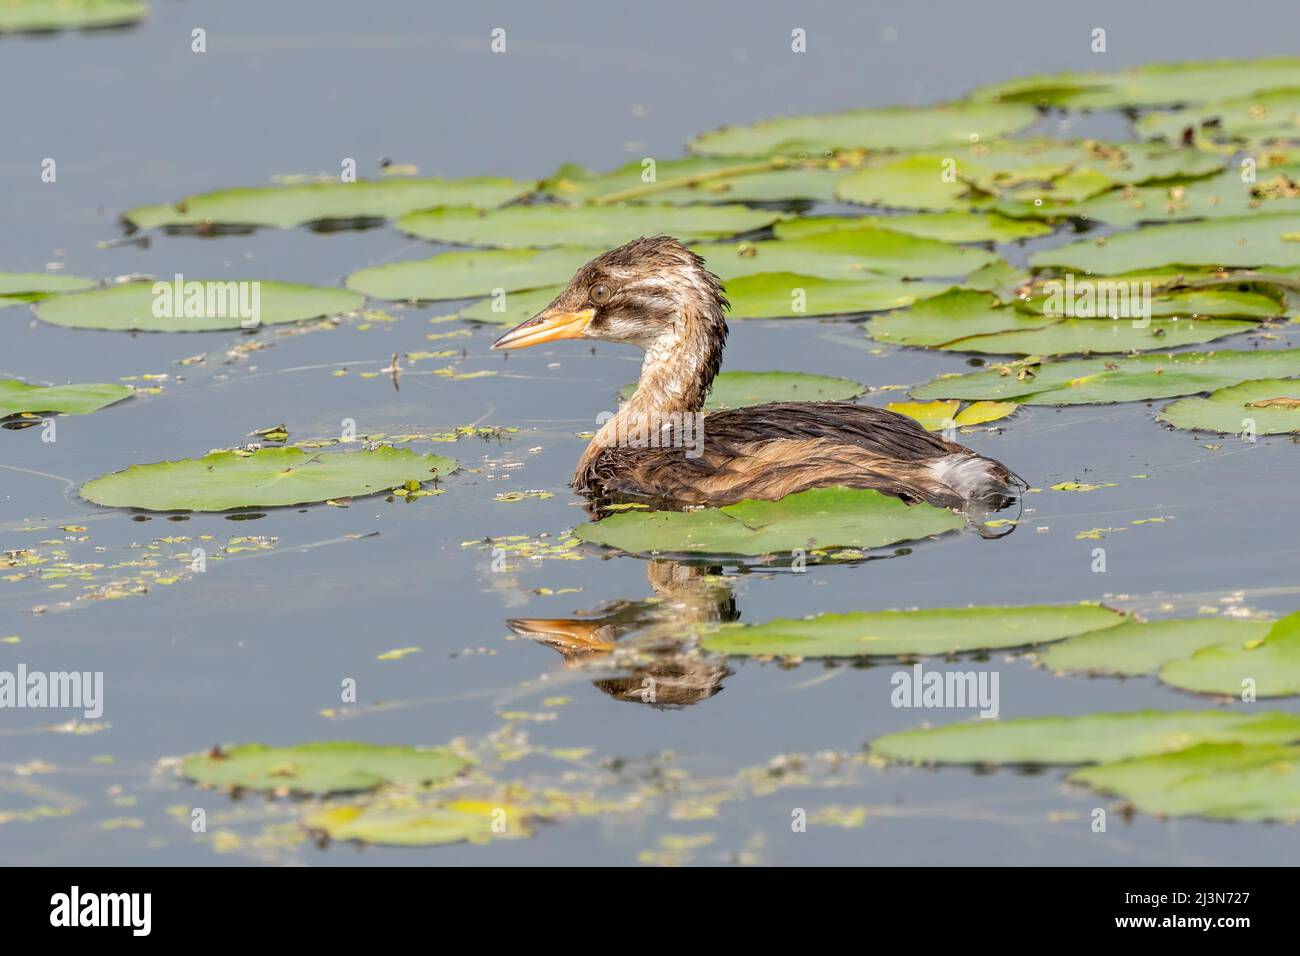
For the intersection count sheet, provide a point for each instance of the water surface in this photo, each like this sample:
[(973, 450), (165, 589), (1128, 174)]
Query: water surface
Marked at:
[(255, 648)]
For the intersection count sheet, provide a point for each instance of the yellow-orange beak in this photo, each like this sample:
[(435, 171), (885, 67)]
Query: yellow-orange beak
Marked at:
[(547, 326)]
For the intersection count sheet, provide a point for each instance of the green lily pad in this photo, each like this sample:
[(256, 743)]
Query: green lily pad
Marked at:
[(520, 227), (1229, 781), (738, 389), (796, 183), (911, 182), (299, 203), (1244, 242), (321, 768), (1141, 647), (956, 314), (1263, 116), (963, 320), (1224, 196), (1018, 171), (1071, 187), (944, 226), (266, 478), (575, 184), (890, 127), (19, 287), (1092, 738), (1095, 381), (17, 16), (817, 518), (1270, 663), (471, 274), (415, 823), (764, 296), (1094, 165), (959, 178), (1272, 404), (1101, 336), (512, 307), (130, 307), (1000, 276), (1157, 84), (1217, 302), (698, 179), (898, 633), (851, 254), (775, 295), (19, 397)]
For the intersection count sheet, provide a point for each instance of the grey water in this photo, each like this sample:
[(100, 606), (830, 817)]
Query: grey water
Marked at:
[(255, 648)]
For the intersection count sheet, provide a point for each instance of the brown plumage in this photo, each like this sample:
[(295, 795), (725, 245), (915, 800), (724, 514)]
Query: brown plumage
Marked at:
[(657, 294)]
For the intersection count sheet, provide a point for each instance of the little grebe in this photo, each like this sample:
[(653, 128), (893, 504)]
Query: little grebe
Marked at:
[(657, 294)]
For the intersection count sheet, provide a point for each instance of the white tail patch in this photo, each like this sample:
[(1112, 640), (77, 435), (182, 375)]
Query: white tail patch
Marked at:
[(969, 475)]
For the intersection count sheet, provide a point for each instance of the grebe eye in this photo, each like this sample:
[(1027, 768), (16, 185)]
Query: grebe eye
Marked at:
[(600, 293)]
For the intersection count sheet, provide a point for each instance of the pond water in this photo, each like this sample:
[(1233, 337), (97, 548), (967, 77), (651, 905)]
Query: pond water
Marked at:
[(255, 648)]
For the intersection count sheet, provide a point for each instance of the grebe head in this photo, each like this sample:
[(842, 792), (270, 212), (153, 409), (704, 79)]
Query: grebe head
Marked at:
[(652, 292)]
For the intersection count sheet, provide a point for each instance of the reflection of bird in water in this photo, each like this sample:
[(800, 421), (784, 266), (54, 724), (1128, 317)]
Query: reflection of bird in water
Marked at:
[(657, 294), (663, 669)]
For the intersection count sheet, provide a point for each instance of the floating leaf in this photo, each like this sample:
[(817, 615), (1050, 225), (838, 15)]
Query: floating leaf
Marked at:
[(796, 183), (933, 416), (980, 413), (1269, 406), (411, 823), (19, 287), (1019, 172), (890, 127), (936, 416), (1263, 116), (1080, 336), (773, 295), (17, 16), (321, 768), (519, 227), (1245, 242), (130, 307), (767, 295), (1268, 666), (512, 307), (900, 633), (1222, 781), (738, 389), (471, 274), (1141, 647), (1104, 297), (818, 518), (997, 277), (1090, 381), (18, 397), (693, 179), (956, 314), (328, 201), (911, 182), (968, 321), (1092, 738), (943, 226), (852, 254), (266, 478), (1275, 190), (1157, 84)]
